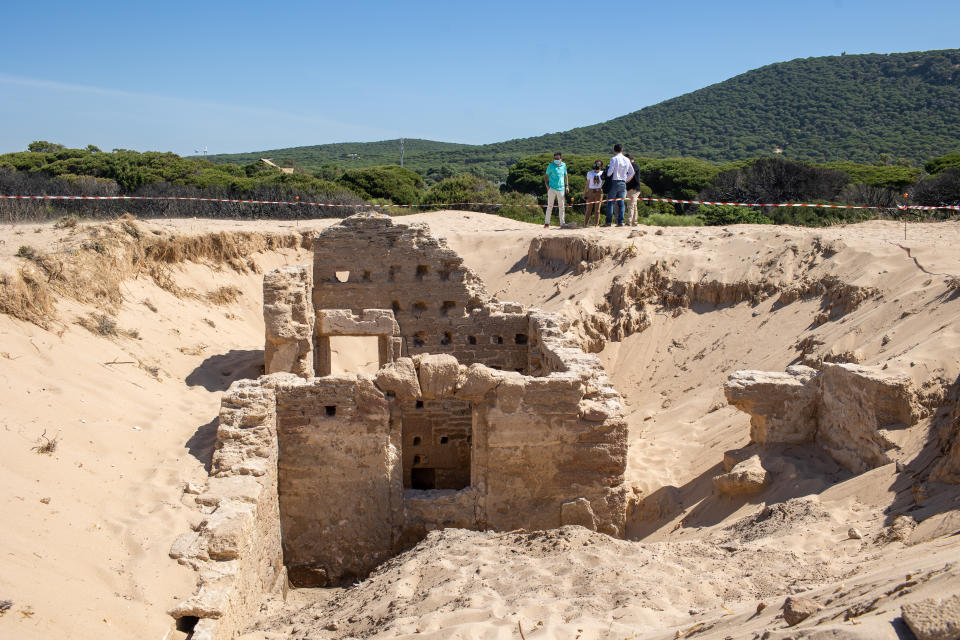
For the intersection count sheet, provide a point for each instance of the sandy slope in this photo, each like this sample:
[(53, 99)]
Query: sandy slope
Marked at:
[(91, 562)]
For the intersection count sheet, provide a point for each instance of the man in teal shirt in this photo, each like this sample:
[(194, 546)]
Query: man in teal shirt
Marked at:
[(555, 180)]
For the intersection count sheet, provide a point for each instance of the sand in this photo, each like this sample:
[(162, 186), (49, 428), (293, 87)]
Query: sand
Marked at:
[(87, 527)]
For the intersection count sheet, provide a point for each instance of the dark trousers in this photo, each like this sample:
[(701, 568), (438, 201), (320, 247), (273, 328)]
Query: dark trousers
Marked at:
[(617, 190)]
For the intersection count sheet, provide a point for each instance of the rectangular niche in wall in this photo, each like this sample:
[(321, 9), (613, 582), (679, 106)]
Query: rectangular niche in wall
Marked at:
[(354, 354), (437, 438)]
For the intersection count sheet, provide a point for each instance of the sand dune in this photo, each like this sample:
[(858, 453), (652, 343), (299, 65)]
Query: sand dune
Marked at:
[(87, 527)]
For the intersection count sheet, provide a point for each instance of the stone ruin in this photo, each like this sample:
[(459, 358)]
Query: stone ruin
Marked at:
[(479, 414)]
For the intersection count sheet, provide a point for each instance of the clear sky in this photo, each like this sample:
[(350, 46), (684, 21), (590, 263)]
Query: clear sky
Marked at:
[(249, 76)]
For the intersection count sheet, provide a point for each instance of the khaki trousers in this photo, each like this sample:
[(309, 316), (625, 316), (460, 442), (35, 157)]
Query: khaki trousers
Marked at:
[(553, 194), (632, 196), (593, 198)]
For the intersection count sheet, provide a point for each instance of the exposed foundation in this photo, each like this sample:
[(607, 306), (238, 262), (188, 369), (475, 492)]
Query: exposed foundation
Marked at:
[(482, 415)]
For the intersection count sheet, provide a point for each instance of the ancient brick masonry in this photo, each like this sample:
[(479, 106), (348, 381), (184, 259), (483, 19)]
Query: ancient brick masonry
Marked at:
[(849, 410), (482, 415), (289, 320)]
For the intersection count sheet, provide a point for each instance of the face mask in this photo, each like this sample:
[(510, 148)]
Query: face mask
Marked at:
[(557, 161)]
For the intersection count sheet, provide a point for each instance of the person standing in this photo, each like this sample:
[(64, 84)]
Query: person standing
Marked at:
[(593, 192), (557, 187), (633, 193), (619, 171)]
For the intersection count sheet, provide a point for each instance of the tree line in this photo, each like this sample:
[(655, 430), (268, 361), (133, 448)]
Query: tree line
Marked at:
[(51, 169)]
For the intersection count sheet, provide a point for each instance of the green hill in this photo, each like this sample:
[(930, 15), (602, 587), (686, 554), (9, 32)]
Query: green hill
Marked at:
[(902, 107)]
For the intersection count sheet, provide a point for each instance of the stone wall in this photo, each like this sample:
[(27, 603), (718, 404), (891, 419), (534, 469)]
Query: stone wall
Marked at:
[(339, 478), (289, 321), (849, 410), (437, 439), (438, 302), (236, 548), (520, 428)]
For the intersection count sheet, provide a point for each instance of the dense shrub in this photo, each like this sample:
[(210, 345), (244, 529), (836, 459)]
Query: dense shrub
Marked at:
[(719, 215), (397, 184), (681, 178), (894, 177), (870, 196), (776, 180), (941, 189), (520, 206), (461, 190), (671, 220), (936, 165)]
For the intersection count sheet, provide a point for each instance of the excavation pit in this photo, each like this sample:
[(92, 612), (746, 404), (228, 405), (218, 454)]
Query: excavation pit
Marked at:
[(476, 414)]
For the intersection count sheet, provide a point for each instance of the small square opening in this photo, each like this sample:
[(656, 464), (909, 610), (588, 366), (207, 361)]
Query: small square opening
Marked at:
[(419, 404), (499, 339), (423, 478), (422, 271), (471, 339), (521, 338), (331, 410), (444, 439), (416, 440), (447, 338)]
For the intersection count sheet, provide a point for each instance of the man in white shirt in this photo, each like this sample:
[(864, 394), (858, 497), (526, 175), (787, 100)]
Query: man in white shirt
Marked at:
[(619, 171)]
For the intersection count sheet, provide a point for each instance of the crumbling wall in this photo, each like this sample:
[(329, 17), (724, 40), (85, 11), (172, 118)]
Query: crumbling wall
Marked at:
[(847, 409), (236, 548), (948, 468), (515, 414), (339, 478), (289, 321), (437, 301), (437, 439), (543, 442)]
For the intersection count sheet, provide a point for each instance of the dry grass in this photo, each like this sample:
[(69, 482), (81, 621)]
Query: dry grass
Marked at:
[(27, 252), (100, 324), (193, 351), (103, 325), (149, 305), (104, 255), (26, 296), (152, 369), (66, 222), (224, 295), (46, 445)]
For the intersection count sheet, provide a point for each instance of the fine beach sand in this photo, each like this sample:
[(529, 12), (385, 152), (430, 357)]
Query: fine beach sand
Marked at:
[(87, 526)]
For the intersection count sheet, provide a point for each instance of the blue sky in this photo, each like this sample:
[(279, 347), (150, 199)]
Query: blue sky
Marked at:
[(248, 76)]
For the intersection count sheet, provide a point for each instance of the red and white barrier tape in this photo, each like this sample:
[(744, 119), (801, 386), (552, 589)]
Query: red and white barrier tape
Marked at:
[(487, 204)]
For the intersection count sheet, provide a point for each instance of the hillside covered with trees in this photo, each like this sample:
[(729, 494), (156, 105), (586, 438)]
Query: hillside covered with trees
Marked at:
[(900, 108), (51, 169)]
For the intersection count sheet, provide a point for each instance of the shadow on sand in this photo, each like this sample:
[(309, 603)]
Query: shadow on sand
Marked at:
[(218, 372)]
